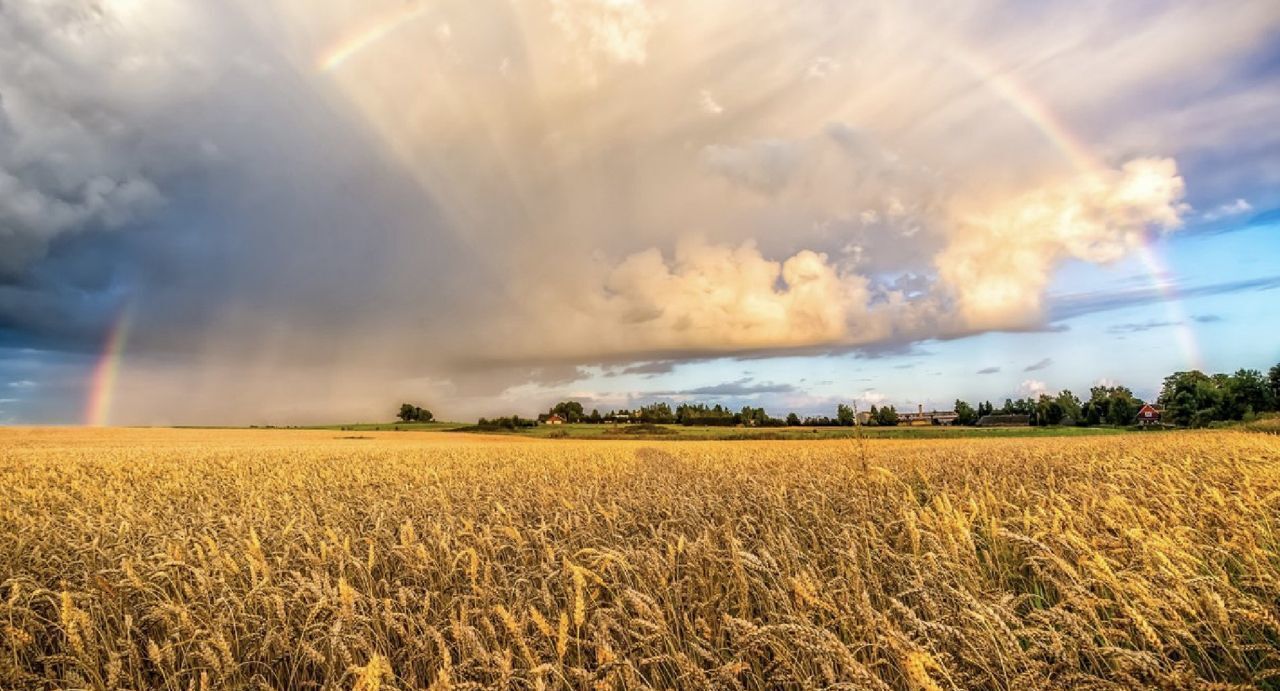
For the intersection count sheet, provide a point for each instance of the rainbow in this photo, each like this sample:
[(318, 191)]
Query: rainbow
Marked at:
[(107, 371), (376, 30), (1001, 83), (1175, 313), (1076, 152)]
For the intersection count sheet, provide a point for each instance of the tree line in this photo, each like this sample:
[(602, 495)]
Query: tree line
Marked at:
[(1188, 399), (695, 414), (1196, 399)]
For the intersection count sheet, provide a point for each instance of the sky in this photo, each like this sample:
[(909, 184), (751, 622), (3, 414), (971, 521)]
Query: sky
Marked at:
[(304, 211)]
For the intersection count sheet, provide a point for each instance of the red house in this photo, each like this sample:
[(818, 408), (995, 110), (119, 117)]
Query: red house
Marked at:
[(554, 419), (1149, 415)]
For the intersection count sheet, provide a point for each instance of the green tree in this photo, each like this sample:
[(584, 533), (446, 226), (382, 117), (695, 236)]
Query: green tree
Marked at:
[(1046, 411), (1123, 407), (965, 414), (844, 415), (657, 413), (1251, 392), (888, 416), (1273, 376), (1190, 399), (1070, 406), (757, 417), (793, 420), (1092, 414), (595, 416), (407, 412), (571, 411)]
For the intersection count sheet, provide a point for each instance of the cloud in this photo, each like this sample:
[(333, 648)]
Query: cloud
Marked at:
[(650, 368), (1235, 208), (70, 154), (1207, 318), (988, 370), (1139, 327), (1042, 364), (739, 387), (999, 263), (1068, 306), (821, 67), (22, 384), (615, 31), (870, 397), (1032, 388), (708, 103), (764, 166), (717, 297)]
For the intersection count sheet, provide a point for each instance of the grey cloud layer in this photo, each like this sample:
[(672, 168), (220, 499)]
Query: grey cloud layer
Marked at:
[(738, 387)]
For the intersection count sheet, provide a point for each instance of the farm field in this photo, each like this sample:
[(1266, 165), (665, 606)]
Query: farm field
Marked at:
[(735, 433), (202, 559)]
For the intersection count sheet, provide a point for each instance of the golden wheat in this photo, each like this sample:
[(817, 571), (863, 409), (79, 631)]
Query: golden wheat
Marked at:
[(139, 559)]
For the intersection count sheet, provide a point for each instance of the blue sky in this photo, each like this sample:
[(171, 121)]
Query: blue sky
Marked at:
[(313, 211)]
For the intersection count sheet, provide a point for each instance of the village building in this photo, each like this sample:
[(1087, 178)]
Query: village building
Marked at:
[(1149, 415), (918, 418), (554, 419), (921, 417)]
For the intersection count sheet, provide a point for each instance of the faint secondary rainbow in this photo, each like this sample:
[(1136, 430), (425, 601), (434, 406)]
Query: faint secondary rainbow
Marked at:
[(107, 372), (367, 35), (1022, 99)]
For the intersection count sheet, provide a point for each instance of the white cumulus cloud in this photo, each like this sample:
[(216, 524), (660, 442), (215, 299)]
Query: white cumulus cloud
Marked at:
[(1235, 208), (1001, 258), (1032, 388)]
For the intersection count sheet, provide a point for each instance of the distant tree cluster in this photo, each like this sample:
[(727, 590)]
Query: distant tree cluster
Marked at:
[(1114, 405), (703, 414), (1196, 399), (1109, 405), (884, 416), (661, 413), (510, 423), (412, 413), (1189, 399), (571, 411), (845, 417)]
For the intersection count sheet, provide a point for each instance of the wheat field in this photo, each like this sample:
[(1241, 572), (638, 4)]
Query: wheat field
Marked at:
[(185, 559)]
